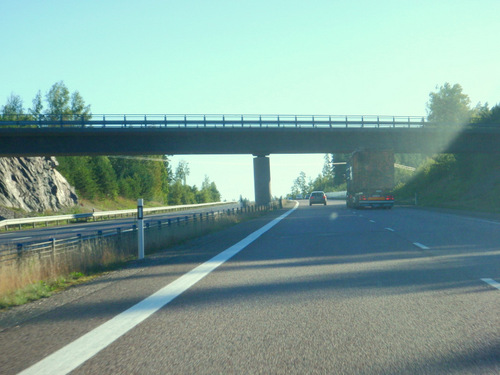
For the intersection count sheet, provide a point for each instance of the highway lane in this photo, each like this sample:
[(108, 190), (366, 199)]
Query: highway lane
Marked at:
[(326, 290), (91, 228)]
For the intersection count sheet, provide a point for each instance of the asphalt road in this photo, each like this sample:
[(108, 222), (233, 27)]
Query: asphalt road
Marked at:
[(327, 290)]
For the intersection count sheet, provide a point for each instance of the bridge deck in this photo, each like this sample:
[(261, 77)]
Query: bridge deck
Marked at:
[(236, 134)]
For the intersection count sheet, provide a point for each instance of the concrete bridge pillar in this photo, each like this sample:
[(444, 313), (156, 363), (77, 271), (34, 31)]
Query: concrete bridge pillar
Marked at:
[(262, 179)]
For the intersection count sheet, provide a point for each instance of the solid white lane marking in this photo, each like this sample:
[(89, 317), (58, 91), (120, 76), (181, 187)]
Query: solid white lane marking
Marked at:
[(20, 238), (74, 354), (492, 282), (418, 244), (390, 229)]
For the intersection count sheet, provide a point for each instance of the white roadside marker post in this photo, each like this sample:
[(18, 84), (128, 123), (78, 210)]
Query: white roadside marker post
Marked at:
[(140, 227)]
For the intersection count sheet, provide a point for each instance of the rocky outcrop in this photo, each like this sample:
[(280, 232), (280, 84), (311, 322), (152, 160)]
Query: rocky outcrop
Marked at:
[(33, 184)]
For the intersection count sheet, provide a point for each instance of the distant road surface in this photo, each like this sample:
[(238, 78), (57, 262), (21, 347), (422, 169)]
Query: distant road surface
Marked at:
[(326, 290)]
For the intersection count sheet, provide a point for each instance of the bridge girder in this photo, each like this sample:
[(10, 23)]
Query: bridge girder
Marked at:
[(256, 141)]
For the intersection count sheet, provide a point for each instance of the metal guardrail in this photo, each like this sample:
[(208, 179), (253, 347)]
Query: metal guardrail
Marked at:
[(405, 167), (92, 215), (213, 121), (53, 247)]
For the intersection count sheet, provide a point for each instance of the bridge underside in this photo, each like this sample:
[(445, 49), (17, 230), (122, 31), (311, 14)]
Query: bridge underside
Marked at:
[(256, 141)]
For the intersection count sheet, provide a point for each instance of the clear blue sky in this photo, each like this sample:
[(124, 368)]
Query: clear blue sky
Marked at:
[(253, 57)]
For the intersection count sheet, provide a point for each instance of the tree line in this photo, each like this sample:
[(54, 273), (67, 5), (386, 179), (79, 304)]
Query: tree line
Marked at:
[(107, 177), (331, 178)]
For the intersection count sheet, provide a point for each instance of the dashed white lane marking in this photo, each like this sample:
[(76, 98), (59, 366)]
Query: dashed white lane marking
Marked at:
[(390, 229), (492, 282), (372, 221), (74, 354), (418, 244)]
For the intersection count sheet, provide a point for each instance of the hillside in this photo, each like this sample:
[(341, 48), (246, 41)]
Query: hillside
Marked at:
[(469, 182)]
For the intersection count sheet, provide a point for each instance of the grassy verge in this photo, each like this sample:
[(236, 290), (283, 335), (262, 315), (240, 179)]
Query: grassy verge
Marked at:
[(464, 182), (42, 289)]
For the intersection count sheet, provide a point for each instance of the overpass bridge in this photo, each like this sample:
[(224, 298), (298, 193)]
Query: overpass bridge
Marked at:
[(259, 135)]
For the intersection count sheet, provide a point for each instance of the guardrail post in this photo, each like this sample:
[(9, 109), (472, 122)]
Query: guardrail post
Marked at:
[(80, 242), (19, 250), (186, 219), (53, 246)]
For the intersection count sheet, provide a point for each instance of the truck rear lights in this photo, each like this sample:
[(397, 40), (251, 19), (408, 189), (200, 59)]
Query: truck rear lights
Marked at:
[(389, 198)]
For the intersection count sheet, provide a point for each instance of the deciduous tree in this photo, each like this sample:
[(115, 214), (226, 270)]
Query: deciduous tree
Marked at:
[(449, 106)]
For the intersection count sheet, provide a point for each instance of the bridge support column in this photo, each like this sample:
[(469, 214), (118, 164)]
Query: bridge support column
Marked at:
[(262, 179)]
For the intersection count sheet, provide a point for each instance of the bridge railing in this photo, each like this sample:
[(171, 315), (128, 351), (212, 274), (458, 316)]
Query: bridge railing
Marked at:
[(212, 121)]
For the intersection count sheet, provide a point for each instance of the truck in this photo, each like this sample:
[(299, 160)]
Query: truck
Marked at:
[(370, 179)]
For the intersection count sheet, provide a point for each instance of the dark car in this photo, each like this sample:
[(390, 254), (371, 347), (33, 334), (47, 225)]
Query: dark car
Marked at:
[(317, 197)]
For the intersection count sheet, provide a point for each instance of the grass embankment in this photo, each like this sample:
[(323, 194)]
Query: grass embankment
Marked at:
[(464, 182), (33, 278)]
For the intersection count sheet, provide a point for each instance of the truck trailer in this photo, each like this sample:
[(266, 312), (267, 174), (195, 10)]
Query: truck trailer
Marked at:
[(370, 179)]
